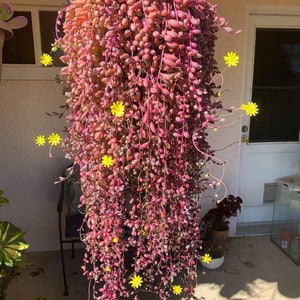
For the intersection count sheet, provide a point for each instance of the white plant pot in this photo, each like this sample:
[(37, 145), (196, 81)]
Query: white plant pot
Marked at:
[(214, 264)]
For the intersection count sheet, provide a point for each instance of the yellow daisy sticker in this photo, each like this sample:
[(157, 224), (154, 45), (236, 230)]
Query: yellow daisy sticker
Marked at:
[(206, 258), (250, 108), (231, 59), (46, 60), (107, 161), (54, 139), (177, 289), (117, 109), (136, 281), (40, 140)]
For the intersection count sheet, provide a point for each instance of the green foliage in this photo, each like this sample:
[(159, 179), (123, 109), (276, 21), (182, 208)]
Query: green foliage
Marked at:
[(12, 250), (45, 298), (2, 199), (12, 244), (213, 249), (218, 218), (6, 274)]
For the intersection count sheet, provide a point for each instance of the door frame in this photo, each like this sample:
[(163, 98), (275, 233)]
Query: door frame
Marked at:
[(254, 210)]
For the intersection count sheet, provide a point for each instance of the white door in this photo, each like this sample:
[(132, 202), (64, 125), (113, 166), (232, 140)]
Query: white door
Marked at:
[(262, 162)]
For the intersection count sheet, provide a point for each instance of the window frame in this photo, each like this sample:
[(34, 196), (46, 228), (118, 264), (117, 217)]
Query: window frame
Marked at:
[(32, 71)]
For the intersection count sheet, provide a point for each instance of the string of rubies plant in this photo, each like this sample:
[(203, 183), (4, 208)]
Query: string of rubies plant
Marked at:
[(141, 97)]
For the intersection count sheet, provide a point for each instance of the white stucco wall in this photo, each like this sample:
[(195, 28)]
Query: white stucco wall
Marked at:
[(236, 12), (27, 172)]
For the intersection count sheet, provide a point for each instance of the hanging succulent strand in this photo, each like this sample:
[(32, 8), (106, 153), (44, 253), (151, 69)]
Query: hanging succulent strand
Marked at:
[(140, 78)]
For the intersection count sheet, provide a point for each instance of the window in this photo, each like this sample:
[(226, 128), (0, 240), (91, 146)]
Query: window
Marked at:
[(21, 54), (276, 86), (47, 28), (20, 48)]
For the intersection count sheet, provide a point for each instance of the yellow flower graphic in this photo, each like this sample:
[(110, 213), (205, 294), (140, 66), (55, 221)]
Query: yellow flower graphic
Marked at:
[(231, 59), (117, 109), (115, 239), (206, 258), (250, 108), (136, 281), (177, 289), (107, 269), (107, 161), (46, 60), (54, 139), (40, 140)]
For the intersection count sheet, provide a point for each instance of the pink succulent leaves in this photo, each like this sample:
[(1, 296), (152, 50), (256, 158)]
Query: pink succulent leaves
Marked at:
[(7, 22), (139, 73)]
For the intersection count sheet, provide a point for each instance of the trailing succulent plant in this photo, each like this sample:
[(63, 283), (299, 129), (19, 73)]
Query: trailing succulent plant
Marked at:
[(140, 95)]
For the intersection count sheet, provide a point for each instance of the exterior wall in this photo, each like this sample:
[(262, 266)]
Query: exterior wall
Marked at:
[(28, 173), (236, 12)]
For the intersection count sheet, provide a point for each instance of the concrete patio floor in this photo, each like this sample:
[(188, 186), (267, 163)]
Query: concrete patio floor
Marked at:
[(254, 268)]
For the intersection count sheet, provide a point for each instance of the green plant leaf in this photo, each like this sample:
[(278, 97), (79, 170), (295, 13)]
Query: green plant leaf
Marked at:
[(7, 259), (2, 199), (15, 236), (5, 229), (12, 244), (20, 246), (13, 254)]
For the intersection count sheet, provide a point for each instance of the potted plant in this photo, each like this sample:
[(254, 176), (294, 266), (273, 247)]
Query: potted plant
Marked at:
[(215, 223), (12, 251), (212, 255), (7, 24), (286, 235)]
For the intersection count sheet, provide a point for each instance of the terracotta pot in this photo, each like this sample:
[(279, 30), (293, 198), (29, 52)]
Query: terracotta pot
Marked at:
[(287, 234), (219, 236), (214, 264)]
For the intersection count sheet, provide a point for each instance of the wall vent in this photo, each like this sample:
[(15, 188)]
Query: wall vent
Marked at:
[(269, 192)]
